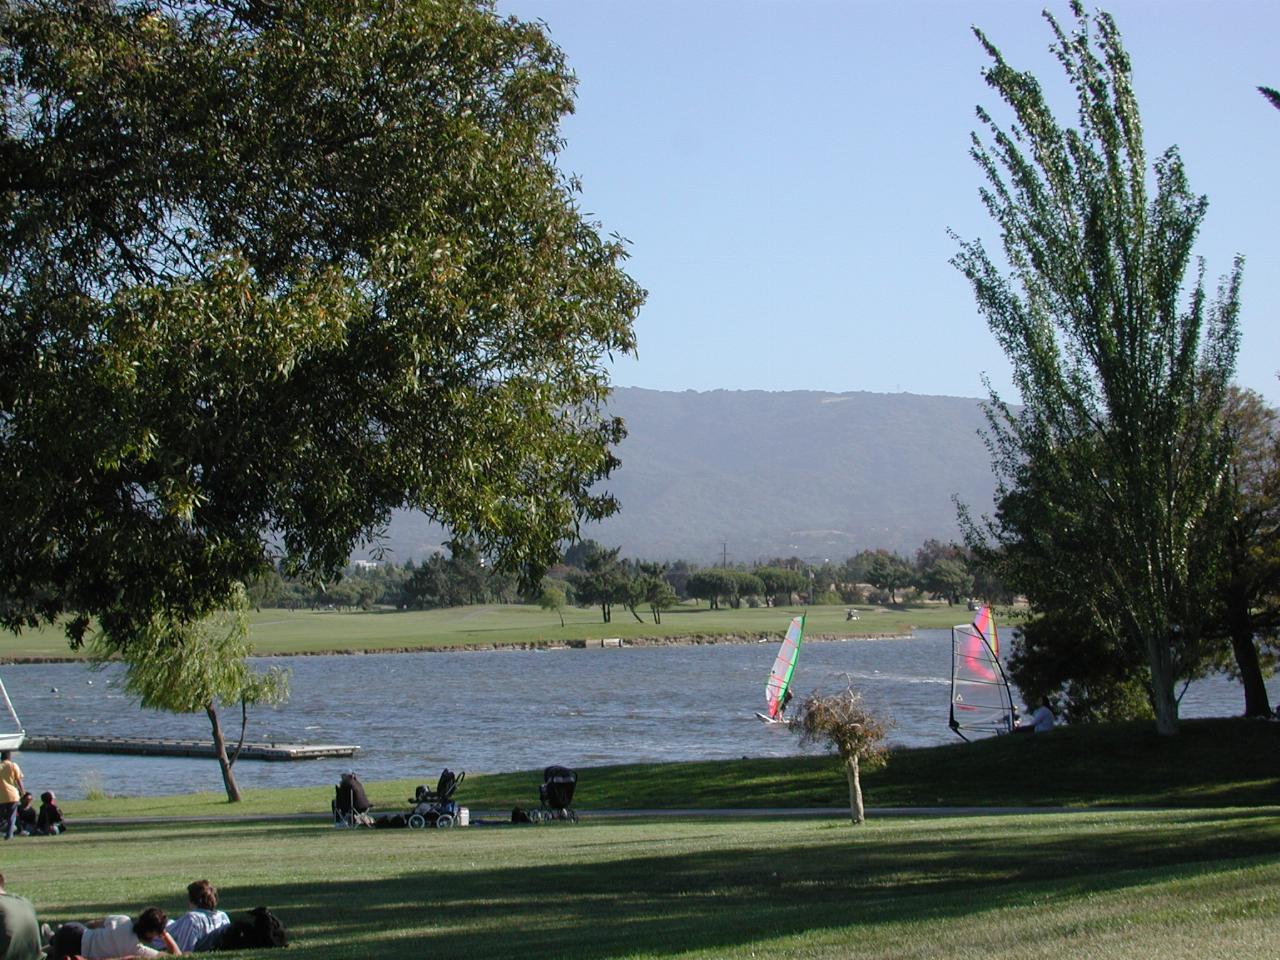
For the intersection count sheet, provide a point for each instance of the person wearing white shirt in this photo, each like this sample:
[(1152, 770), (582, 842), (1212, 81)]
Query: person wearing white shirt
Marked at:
[(113, 936), (1042, 720)]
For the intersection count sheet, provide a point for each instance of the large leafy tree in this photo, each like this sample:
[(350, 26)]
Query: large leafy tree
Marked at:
[(271, 269), (1112, 471)]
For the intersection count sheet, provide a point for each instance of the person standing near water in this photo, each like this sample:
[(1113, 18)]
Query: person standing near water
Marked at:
[(11, 791)]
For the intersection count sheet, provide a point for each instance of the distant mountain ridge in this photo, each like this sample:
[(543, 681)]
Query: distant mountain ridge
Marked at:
[(749, 475)]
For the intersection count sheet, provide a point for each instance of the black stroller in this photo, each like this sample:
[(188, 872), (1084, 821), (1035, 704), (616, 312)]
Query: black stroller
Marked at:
[(436, 808), (555, 796), (350, 803)]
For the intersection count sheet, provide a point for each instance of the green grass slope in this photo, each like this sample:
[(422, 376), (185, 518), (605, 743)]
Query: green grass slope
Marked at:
[(1188, 885), (1210, 763)]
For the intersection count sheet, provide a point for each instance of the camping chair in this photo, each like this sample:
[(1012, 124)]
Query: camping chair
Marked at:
[(350, 804)]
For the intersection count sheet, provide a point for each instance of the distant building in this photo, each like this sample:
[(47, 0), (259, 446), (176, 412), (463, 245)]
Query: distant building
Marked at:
[(364, 565)]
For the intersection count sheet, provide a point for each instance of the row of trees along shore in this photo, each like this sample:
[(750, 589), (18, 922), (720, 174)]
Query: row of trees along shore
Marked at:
[(269, 271), (593, 575)]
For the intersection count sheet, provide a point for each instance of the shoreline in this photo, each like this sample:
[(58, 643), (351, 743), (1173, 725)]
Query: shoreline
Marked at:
[(549, 645)]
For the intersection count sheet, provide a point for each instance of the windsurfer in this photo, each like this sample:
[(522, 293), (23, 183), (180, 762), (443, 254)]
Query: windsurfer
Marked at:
[(1041, 721)]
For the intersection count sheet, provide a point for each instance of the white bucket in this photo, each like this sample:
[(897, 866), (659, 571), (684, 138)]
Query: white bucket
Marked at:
[(464, 816)]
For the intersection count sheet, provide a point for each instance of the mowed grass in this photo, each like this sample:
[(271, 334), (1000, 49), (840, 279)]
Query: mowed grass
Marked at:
[(1200, 881), (1200, 884), (1220, 762), (314, 631)]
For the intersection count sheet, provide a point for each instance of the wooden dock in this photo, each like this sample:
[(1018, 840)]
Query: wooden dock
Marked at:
[(145, 747)]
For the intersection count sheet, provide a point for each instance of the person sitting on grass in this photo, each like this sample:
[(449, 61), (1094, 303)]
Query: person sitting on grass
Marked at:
[(114, 936), (49, 822), (26, 824), (203, 918), (19, 929)]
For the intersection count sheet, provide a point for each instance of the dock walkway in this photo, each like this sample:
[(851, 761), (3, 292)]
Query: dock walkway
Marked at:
[(172, 747)]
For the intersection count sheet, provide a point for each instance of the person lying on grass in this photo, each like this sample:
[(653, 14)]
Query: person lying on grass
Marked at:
[(114, 936), (203, 918)]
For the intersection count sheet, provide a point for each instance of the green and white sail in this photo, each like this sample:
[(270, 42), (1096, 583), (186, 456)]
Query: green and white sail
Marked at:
[(784, 667)]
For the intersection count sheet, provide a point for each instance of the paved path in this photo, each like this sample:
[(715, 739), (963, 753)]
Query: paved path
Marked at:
[(489, 817)]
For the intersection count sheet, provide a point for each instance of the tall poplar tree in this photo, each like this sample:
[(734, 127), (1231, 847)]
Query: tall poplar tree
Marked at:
[(1112, 471)]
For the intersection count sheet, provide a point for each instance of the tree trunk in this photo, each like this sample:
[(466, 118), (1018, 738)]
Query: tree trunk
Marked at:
[(561, 612), (1256, 701), (220, 748), (1165, 704), (856, 812), (636, 614)]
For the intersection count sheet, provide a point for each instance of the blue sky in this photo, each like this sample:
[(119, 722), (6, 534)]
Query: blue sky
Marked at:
[(787, 171)]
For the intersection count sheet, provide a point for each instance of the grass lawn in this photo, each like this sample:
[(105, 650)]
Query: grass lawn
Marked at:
[(1200, 880), (310, 631), (1184, 884), (1211, 762)]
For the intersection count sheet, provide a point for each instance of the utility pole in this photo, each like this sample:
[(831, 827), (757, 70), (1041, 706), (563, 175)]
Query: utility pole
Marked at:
[(724, 554)]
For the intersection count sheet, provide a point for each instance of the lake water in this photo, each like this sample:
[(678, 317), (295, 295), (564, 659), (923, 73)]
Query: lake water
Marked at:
[(412, 714)]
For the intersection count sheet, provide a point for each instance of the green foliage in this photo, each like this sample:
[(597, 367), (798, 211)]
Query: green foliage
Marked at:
[(553, 599), (1272, 96), (1111, 474), (947, 578), (602, 582), (190, 667), (182, 668), (780, 582), (1247, 601), (1063, 657), (273, 270), (717, 585), (890, 573)]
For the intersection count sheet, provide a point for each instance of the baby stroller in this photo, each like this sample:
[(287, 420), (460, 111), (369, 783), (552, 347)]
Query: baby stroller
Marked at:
[(556, 794), (350, 803), (436, 808)]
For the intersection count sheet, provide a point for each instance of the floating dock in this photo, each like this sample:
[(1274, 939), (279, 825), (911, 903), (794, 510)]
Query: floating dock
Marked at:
[(145, 747)]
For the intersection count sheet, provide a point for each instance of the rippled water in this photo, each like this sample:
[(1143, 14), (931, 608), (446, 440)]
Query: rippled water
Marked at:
[(412, 714)]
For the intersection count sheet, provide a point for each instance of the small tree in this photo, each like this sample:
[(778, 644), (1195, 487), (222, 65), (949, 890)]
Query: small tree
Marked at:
[(189, 667), (661, 596), (843, 723), (552, 598)]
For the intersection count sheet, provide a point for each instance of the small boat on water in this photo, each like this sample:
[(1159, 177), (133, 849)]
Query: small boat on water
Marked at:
[(11, 738)]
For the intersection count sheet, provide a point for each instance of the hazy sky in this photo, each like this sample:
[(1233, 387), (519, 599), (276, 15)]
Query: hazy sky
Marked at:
[(787, 172)]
